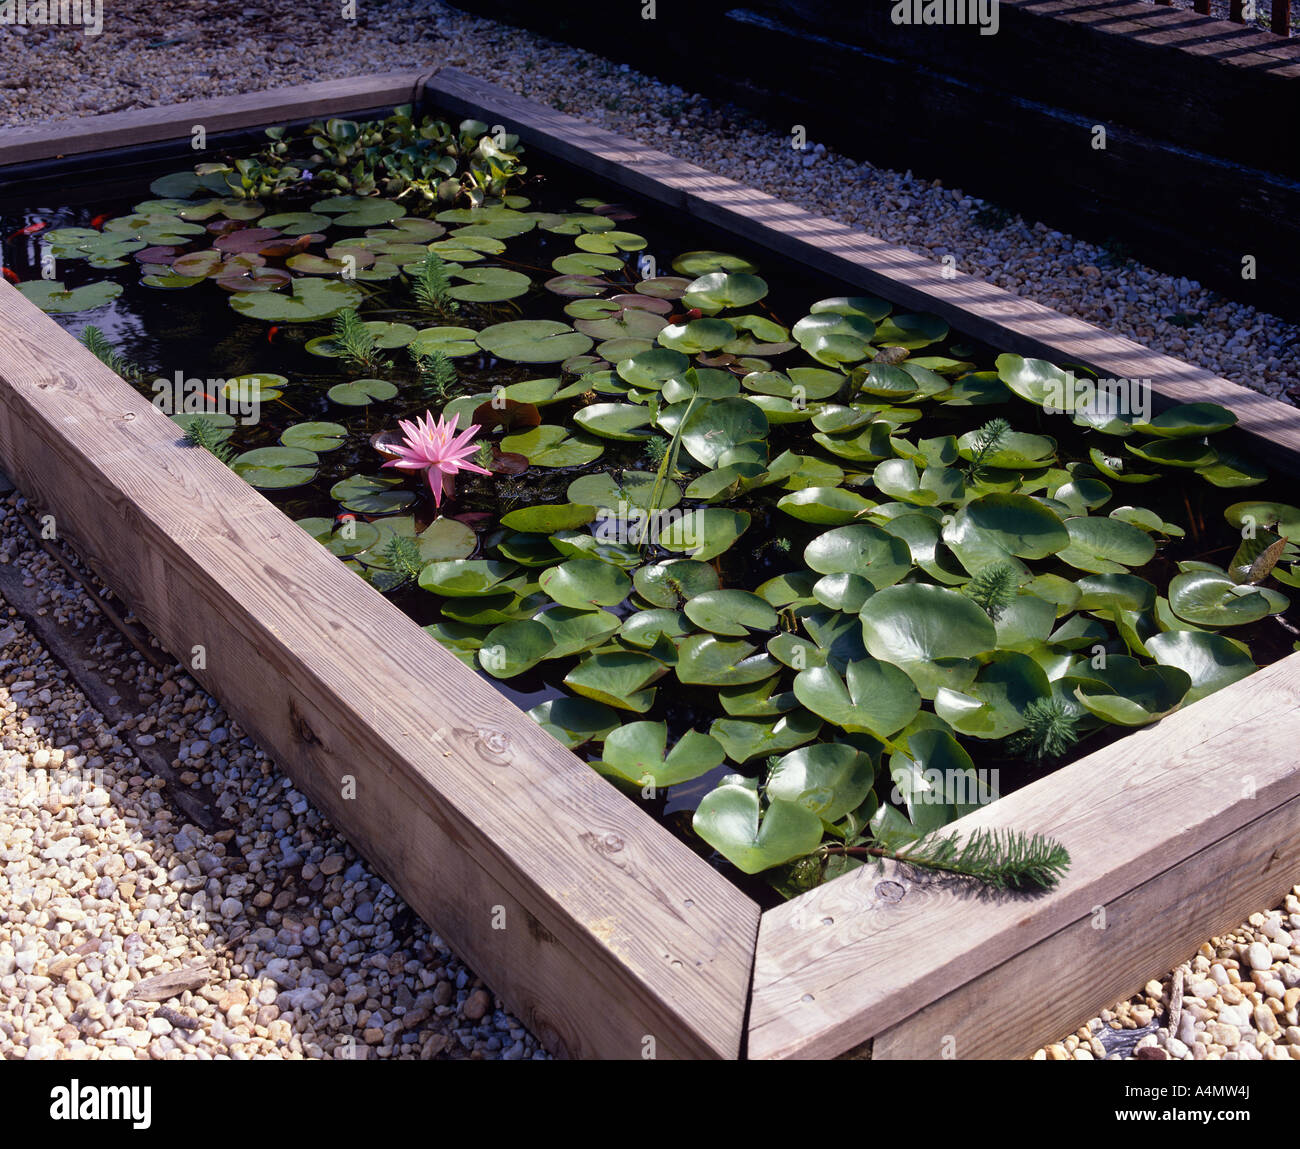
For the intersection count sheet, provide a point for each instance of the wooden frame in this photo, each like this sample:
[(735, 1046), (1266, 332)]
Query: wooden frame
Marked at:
[(616, 933)]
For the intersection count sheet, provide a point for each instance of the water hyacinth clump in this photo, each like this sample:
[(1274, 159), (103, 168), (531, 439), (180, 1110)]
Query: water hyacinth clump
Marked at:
[(809, 575)]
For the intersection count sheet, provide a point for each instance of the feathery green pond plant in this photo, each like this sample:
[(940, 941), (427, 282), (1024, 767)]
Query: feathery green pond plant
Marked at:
[(940, 581)]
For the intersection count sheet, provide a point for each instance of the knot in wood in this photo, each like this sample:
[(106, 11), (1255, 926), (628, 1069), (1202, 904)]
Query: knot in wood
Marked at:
[(301, 730), (611, 843), (494, 741), (890, 891)]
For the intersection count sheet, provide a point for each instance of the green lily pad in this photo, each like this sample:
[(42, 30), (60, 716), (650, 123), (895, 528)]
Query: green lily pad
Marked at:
[(608, 242), (630, 488), (533, 341), (371, 494), (1211, 661), (621, 679), (318, 437), (1106, 545), (873, 697), (916, 625), (1281, 517), (549, 517), (746, 738), (669, 584), (730, 612), (910, 331), (697, 335), (1127, 693), (994, 704), (348, 538), (828, 506), (625, 421), (704, 659), (861, 549), (699, 263), (441, 540), (513, 647), (928, 775), (1211, 598), (361, 392), (1189, 419), (720, 291), (575, 721), (831, 779), (705, 533), (451, 341), (359, 211), (638, 752), (586, 583), (276, 468), (1175, 452), (1016, 450), (311, 299), (551, 446), (489, 284), (53, 298), (575, 631), (465, 578), (732, 820)]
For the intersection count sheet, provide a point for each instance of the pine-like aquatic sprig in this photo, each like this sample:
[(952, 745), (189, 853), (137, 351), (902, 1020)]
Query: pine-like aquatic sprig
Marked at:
[(1005, 859), (355, 339), (202, 433), (994, 588), (988, 440), (403, 555), (432, 285), (438, 375), (1050, 730), (96, 342)]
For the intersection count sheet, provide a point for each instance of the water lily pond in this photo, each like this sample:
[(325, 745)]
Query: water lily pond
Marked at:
[(806, 575)]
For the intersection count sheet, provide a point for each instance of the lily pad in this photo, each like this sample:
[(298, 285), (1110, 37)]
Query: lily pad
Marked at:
[(276, 468), (311, 299), (53, 298), (638, 752), (361, 392), (1210, 598), (720, 291), (586, 583), (551, 446), (575, 721), (746, 738), (873, 697), (622, 679), (831, 779), (513, 647), (1106, 545), (730, 612), (533, 341), (371, 494), (732, 820), (862, 549), (318, 437)]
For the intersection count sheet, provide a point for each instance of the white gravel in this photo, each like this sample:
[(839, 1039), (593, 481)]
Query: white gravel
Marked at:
[(208, 47), (285, 943)]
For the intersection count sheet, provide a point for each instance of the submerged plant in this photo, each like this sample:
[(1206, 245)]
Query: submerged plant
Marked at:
[(202, 433), (356, 340), (432, 286), (96, 342), (437, 374), (994, 588), (436, 449), (988, 442), (1050, 731), (403, 555)]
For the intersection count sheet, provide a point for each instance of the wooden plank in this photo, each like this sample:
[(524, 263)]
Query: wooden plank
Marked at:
[(50, 138), (614, 930), (854, 958), (1052, 988), (980, 309)]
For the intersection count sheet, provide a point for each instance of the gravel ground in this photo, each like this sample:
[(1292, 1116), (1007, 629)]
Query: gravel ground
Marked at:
[(1236, 1000), (270, 938), (168, 50), (128, 931)]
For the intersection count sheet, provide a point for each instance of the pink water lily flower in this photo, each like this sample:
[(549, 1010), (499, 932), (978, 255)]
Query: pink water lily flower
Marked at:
[(436, 449)]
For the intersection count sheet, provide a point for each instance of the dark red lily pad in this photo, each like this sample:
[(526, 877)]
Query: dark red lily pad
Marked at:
[(255, 279), (723, 360), (507, 463), (506, 414), (156, 254), (619, 212), (247, 239), (644, 302), (477, 520)]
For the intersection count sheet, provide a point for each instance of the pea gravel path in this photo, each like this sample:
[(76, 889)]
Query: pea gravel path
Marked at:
[(293, 947), (162, 51)]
